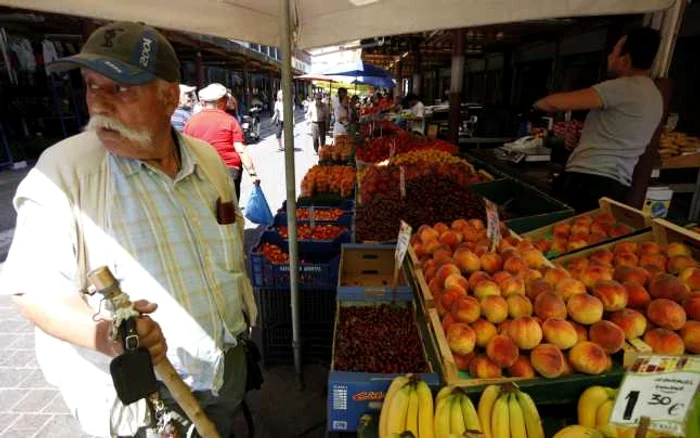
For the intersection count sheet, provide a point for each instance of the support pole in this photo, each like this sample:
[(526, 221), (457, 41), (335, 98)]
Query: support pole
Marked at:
[(456, 82), (417, 80), (288, 108)]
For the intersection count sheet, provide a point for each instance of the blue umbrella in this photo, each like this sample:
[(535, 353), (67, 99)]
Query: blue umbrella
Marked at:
[(357, 69), (376, 81)]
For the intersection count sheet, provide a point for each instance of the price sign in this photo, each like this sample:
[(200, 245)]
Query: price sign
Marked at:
[(401, 248), (661, 388), (493, 224)]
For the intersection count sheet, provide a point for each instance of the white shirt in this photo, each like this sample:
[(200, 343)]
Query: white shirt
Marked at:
[(418, 110), (339, 113), (279, 109)]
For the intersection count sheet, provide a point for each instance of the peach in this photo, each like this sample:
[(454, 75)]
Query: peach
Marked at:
[(466, 309), (524, 245), (559, 245), (430, 247), (447, 321), (595, 273), (637, 295), (628, 247), (569, 287), (502, 351), (440, 308), (512, 286), (584, 219), (467, 261), (664, 341), (603, 257), (625, 273), (442, 252), (483, 368), (494, 308), (612, 294), (435, 287), (626, 259), (449, 296), (585, 309), (514, 265), (561, 230), (548, 360), (486, 288), (533, 258), (575, 243), (588, 357), (504, 327), (691, 278), (519, 305), (476, 278), (456, 280), (677, 264), (559, 332), (459, 224), (556, 274), (445, 271), (632, 323), (666, 314), (603, 229), (581, 332), (499, 277), (690, 333), (461, 338), (658, 260), (596, 237), (525, 332), (534, 288), (509, 253), (550, 305), (441, 227), (578, 263), (481, 249), (568, 368), (649, 248), (544, 245), (427, 233), (608, 335), (621, 230), (691, 305), (463, 362), (470, 233), (677, 249), (529, 274), (484, 332), (477, 223), (491, 262), (604, 218), (670, 287), (451, 238), (522, 368), (579, 228)]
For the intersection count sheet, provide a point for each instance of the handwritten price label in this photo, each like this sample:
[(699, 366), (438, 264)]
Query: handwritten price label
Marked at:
[(493, 224), (401, 248), (661, 388)]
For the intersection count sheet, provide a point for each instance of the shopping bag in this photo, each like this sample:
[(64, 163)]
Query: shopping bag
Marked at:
[(257, 210)]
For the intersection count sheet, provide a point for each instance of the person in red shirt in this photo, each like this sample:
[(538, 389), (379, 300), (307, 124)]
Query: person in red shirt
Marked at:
[(221, 130)]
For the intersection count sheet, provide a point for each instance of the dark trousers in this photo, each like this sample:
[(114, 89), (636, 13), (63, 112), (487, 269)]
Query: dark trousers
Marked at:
[(236, 175), (318, 134), (582, 190)]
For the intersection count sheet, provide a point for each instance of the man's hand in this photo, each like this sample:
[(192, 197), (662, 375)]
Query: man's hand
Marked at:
[(256, 180), (150, 335)]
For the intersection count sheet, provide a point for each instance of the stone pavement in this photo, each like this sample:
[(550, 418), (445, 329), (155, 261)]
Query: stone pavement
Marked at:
[(30, 408)]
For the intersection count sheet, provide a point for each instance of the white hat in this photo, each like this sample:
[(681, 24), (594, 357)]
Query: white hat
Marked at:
[(184, 89), (212, 92)]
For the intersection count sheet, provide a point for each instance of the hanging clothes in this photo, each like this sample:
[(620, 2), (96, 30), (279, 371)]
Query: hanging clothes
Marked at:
[(4, 48), (49, 53)]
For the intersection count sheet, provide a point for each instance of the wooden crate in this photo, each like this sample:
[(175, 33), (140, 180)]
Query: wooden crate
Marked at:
[(625, 214)]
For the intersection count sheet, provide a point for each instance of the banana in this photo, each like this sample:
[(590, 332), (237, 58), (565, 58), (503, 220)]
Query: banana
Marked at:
[(442, 418), (533, 424), (394, 387), (589, 402), (456, 419), (444, 392), (486, 402), (412, 413), (517, 419), (471, 418), (425, 410), (602, 415), (578, 431), (396, 421), (609, 431), (500, 421)]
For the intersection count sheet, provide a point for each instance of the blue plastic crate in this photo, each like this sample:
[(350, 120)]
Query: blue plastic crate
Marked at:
[(316, 269)]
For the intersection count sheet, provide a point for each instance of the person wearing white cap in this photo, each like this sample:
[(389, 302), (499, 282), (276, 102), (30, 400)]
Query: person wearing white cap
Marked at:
[(184, 109), (221, 130)]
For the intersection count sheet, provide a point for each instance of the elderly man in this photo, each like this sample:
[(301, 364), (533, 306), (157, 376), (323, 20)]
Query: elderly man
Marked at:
[(318, 116), (133, 194), (221, 130)]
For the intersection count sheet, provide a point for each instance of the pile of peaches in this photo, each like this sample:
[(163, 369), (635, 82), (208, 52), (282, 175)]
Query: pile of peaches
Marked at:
[(585, 230), (510, 312)]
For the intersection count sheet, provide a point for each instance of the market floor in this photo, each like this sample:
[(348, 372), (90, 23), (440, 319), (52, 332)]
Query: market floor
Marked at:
[(31, 408)]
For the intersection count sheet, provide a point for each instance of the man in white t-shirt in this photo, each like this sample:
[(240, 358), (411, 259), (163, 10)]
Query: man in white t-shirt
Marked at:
[(417, 123)]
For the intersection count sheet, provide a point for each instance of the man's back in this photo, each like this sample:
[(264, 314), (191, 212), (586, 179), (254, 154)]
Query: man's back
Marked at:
[(220, 130)]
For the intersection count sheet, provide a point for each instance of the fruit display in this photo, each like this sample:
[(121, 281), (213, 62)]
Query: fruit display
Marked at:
[(506, 412), (426, 157), (378, 128), (571, 131), (321, 215), (339, 180), (646, 291), (274, 254), (378, 339), (595, 406), (672, 144), (382, 148), (318, 232), (583, 231), (339, 152), (428, 199), (455, 413), (407, 408)]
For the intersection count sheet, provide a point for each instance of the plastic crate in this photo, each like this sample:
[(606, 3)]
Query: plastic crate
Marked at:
[(276, 343), (317, 306), (317, 269), (319, 246), (280, 219)]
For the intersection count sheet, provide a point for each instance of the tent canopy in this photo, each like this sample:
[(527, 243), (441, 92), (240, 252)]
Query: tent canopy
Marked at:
[(358, 68), (318, 23)]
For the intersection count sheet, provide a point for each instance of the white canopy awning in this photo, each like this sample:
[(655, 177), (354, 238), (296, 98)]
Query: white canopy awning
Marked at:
[(326, 22)]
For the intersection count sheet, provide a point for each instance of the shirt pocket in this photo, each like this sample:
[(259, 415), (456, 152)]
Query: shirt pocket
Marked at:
[(230, 247)]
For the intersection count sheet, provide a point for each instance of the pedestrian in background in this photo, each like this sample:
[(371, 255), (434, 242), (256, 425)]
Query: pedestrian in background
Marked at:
[(184, 109), (318, 116), (278, 120)]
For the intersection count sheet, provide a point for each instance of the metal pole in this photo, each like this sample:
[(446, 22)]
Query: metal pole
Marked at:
[(457, 78), (288, 109)]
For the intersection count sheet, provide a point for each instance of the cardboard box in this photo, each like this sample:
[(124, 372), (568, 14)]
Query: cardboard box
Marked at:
[(366, 273)]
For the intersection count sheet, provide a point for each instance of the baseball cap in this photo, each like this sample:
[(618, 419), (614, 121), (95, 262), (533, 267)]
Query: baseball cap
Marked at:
[(212, 92), (126, 52)]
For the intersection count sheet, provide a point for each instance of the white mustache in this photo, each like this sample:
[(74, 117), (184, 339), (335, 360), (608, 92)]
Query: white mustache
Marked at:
[(100, 121)]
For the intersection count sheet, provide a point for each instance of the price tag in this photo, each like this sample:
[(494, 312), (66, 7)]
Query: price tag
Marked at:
[(661, 388), (493, 224), (401, 248), (402, 181)]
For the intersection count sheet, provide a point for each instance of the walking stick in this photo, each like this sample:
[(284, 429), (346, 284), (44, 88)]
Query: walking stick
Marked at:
[(104, 283)]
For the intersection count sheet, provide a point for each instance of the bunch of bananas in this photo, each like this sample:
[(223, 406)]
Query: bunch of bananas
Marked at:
[(595, 406), (407, 409), (454, 413), (505, 412)]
